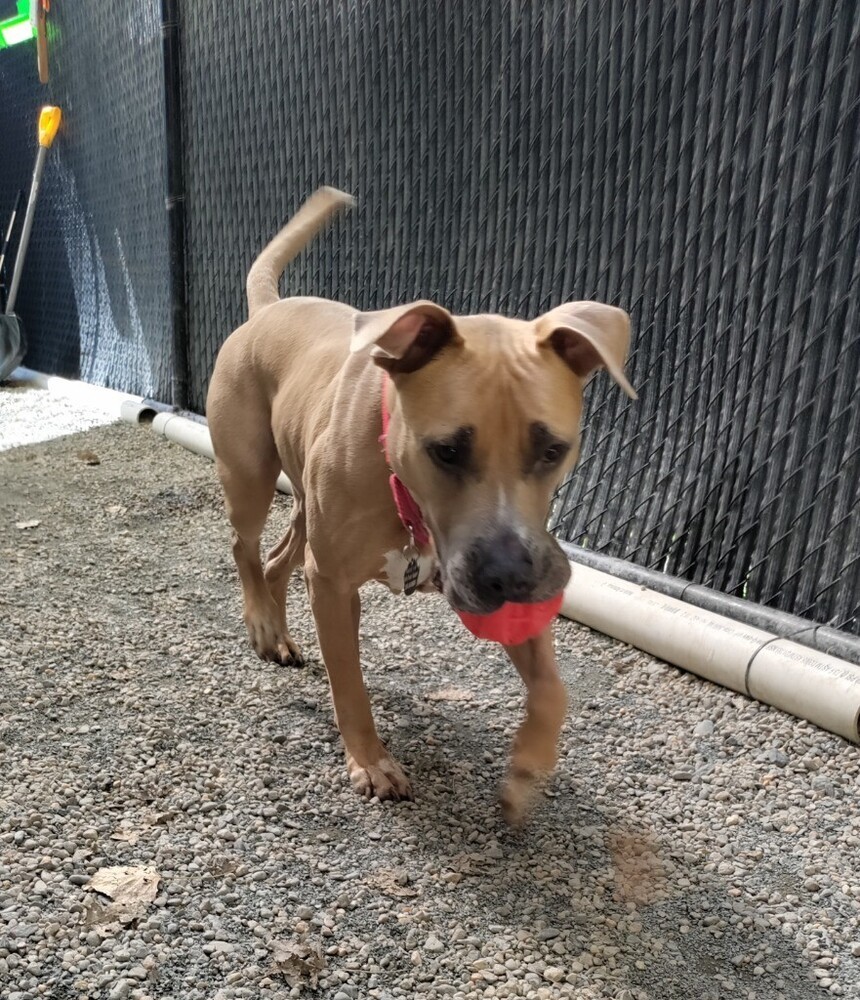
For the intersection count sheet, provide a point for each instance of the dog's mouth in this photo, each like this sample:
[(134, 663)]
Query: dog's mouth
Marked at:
[(459, 602), (463, 597), (468, 591), (469, 605), (460, 599)]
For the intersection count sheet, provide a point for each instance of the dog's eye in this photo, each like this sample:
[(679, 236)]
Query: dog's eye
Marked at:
[(445, 454), (453, 453), (554, 454)]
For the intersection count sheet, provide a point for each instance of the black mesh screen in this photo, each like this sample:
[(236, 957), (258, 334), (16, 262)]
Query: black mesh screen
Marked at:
[(95, 295)]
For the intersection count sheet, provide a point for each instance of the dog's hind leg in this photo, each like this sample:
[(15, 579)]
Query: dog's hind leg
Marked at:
[(249, 487), (280, 563)]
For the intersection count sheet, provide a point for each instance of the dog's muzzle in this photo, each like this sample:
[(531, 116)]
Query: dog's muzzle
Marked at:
[(504, 568)]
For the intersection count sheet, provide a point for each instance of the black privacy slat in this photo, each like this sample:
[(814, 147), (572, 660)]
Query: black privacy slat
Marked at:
[(694, 163)]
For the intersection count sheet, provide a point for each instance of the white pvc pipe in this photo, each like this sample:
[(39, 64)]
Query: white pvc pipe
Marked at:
[(811, 685), (195, 437), (108, 400), (189, 433)]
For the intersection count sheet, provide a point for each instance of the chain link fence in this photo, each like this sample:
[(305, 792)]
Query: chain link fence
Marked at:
[(694, 163)]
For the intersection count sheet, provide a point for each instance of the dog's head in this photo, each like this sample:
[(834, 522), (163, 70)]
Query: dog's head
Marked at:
[(485, 416)]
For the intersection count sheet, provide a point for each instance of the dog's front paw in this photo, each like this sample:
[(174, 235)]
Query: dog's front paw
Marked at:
[(272, 644), (287, 653), (521, 788), (384, 779)]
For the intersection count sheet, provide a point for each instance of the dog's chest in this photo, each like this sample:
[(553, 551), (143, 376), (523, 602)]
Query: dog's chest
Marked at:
[(394, 570)]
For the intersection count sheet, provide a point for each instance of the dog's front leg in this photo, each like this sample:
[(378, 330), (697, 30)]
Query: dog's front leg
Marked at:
[(372, 769), (535, 750)]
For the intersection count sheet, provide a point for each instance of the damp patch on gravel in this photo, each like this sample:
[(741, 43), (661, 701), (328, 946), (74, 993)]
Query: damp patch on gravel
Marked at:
[(693, 843)]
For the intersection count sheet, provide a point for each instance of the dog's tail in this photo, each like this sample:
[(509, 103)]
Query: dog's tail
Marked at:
[(266, 270)]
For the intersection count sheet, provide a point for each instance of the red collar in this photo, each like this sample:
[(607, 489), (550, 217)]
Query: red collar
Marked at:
[(407, 508)]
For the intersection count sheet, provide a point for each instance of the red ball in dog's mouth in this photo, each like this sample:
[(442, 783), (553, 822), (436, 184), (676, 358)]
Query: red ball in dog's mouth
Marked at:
[(513, 624)]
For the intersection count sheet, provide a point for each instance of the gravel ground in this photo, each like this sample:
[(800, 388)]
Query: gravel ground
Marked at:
[(28, 416), (694, 844)]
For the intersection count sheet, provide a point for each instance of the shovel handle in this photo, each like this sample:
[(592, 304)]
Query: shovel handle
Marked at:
[(49, 122), (42, 41)]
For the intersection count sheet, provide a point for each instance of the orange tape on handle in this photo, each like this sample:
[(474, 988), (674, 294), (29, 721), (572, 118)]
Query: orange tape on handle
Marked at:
[(49, 121)]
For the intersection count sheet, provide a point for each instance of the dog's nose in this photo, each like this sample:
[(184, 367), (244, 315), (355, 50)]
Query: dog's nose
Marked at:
[(502, 569)]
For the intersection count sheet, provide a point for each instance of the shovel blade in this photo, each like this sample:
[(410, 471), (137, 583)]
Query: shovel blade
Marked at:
[(13, 344)]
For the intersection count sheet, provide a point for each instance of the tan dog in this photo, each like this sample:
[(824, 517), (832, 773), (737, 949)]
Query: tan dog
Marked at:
[(485, 415)]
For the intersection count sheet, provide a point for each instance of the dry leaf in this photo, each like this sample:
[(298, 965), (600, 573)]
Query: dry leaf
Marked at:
[(127, 836), (449, 694), (388, 881), (224, 865), (122, 893), (461, 866), (23, 525), (89, 458), (298, 961), (126, 883)]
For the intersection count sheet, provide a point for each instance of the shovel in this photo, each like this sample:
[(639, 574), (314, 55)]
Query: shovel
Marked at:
[(9, 229), (13, 343)]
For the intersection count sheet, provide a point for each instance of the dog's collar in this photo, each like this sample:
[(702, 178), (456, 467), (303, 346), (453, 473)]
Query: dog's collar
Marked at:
[(407, 507)]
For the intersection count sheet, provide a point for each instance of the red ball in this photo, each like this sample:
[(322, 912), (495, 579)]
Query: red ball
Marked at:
[(513, 624)]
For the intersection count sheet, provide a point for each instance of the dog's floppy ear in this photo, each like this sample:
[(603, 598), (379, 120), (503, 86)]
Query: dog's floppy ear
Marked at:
[(405, 338), (587, 336)]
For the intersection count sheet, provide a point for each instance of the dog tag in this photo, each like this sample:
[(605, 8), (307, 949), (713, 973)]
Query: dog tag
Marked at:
[(410, 576)]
